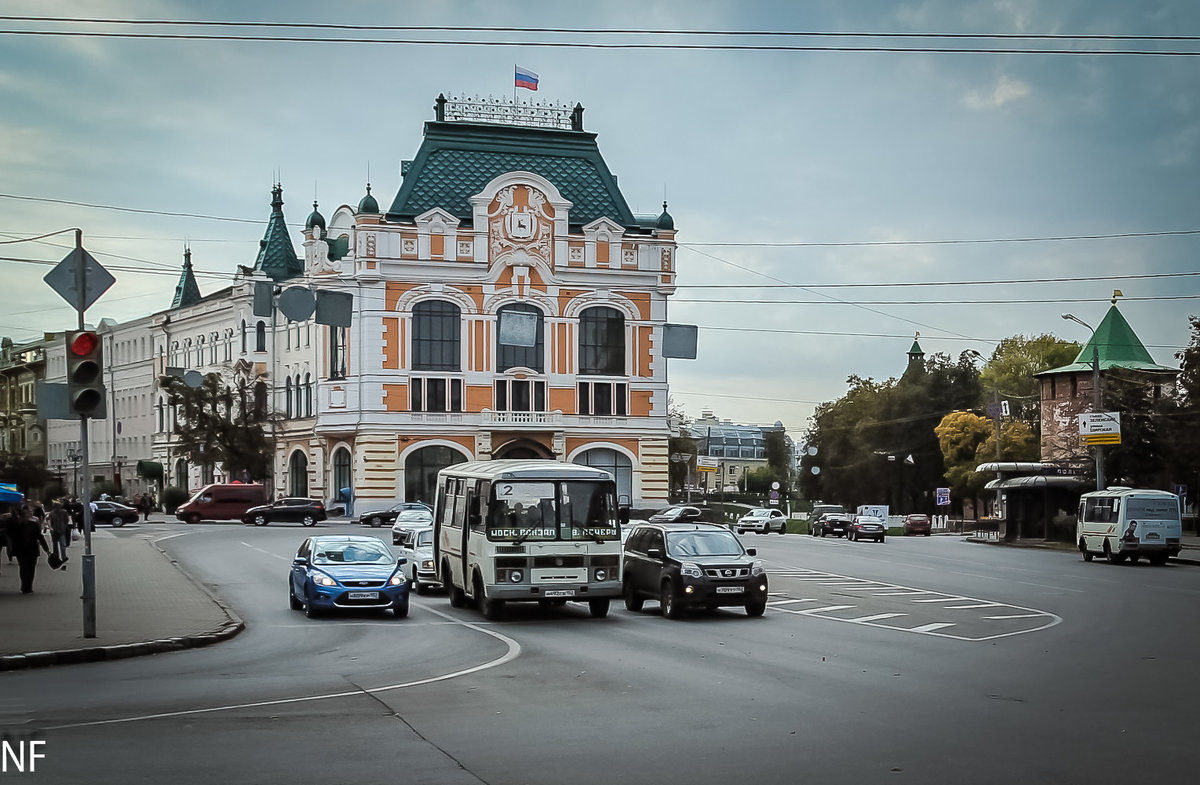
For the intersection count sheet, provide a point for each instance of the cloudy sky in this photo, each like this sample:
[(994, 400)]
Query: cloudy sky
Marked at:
[(815, 191)]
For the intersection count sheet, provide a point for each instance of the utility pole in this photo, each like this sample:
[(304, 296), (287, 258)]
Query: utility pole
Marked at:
[(88, 569), (1097, 406)]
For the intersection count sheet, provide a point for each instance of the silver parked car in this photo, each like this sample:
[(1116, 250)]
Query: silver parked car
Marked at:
[(407, 520), (417, 548)]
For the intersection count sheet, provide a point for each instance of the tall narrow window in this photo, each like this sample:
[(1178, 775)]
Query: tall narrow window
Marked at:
[(308, 395), (602, 342), (337, 353), (436, 329), (513, 356), (288, 399), (243, 336), (260, 336)]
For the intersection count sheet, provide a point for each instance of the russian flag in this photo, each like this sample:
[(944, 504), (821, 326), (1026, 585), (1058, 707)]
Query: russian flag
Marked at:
[(526, 78)]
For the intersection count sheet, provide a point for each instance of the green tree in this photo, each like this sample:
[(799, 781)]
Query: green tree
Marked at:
[(960, 435), (223, 425), (1010, 372)]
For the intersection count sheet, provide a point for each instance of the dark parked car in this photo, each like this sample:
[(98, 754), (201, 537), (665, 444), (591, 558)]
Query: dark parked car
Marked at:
[(835, 523), (917, 524), (377, 518), (676, 514), (113, 513), (691, 564), (293, 510), (867, 527), (338, 572)]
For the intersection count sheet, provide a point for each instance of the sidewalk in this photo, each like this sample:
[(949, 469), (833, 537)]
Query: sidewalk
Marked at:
[(145, 603), (1189, 555)]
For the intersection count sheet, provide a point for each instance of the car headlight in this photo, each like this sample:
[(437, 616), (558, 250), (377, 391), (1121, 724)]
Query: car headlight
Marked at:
[(691, 570), (757, 568), (321, 579), (427, 564), (396, 579)]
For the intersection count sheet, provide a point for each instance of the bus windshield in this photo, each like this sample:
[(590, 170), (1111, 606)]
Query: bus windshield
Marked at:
[(542, 511)]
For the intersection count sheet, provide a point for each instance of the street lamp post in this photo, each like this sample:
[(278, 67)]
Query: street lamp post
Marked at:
[(996, 423), (1097, 402), (73, 456)]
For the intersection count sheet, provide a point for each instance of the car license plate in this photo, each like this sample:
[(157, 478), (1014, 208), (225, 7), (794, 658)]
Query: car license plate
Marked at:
[(559, 593), (729, 590), (364, 595)]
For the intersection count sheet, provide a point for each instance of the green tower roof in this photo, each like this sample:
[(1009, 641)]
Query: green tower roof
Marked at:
[(187, 292), (458, 159), (276, 255), (1118, 347)]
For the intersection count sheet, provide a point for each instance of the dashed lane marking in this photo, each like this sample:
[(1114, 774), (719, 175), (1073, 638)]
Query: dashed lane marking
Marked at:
[(931, 627), (878, 617)]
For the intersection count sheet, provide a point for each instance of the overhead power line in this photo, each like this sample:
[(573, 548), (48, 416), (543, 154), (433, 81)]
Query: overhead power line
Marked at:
[(624, 46), (965, 241)]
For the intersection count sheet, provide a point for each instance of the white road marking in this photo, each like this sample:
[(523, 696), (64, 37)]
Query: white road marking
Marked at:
[(877, 617), (977, 605), (931, 627), (1018, 616), (786, 602), (513, 651), (944, 599), (911, 593), (260, 550), (827, 608)]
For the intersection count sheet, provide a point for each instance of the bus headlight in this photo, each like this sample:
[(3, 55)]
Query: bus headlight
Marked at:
[(601, 574), (515, 576)]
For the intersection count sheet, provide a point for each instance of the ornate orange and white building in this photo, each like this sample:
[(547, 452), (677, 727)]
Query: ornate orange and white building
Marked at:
[(507, 304)]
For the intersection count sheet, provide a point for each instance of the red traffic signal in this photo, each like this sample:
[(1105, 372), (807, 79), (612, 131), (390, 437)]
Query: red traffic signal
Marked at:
[(85, 373)]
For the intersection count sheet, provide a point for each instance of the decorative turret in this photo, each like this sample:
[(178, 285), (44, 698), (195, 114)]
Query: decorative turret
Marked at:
[(665, 221), (368, 203), (916, 358), (187, 292), (315, 223), (276, 255)]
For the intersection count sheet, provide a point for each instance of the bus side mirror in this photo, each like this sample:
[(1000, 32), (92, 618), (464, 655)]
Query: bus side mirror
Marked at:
[(623, 514)]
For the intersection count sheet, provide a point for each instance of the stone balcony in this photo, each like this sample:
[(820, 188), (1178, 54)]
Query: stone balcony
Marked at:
[(552, 419)]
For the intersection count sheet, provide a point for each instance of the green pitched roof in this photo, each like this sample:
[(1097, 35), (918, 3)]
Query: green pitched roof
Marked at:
[(276, 255), (457, 160), (1118, 347), (187, 292)]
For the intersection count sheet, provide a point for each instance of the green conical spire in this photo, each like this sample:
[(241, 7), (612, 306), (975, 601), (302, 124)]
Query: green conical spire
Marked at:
[(1118, 347), (187, 292), (276, 255)]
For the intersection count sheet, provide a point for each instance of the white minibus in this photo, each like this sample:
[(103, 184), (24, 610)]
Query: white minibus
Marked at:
[(1128, 523), (528, 530)]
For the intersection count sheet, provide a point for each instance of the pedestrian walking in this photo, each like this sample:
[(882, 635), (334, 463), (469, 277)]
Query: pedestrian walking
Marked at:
[(60, 532), (143, 504), (26, 533)]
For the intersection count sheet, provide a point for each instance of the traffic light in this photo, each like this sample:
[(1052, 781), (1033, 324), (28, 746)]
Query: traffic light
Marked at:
[(85, 373)]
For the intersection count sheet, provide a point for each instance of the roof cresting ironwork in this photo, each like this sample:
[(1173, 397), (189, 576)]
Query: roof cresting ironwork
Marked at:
[(508, 111)]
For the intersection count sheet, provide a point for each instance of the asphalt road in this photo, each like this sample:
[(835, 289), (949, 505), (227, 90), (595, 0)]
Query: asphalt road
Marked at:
[(921, 659)]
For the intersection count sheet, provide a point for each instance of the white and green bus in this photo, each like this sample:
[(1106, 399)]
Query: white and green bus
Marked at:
[(528, 531), (1128, 523)]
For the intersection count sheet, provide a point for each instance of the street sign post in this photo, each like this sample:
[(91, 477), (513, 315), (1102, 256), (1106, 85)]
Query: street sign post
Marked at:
[(943, 497), (64, 280)]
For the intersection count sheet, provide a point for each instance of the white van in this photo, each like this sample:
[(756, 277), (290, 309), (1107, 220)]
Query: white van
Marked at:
[(1129, 523)]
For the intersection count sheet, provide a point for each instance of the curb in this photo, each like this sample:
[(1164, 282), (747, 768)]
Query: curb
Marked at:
[(39, 659), (1189, 559)]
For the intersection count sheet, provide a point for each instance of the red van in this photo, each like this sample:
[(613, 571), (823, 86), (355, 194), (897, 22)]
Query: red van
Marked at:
[(221, 502)]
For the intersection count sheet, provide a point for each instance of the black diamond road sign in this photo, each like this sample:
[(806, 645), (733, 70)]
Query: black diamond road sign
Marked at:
[(62, 279)]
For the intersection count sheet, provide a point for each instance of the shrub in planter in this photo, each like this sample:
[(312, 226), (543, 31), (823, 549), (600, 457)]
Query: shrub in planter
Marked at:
[(172, 497)]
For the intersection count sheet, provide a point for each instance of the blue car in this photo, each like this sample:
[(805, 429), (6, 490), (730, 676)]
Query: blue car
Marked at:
[(335, 572)]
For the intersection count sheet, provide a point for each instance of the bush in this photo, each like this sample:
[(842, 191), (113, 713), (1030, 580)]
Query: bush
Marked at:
[(172, 497), (100, 488)]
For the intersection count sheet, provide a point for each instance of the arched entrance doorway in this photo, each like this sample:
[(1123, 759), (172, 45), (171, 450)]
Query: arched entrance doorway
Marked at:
[(522, 449), (611, 461), (298, 474), (341, 478), (421, 468)]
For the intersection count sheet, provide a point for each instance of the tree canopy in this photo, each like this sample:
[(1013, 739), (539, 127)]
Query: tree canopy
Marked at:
[(221, 425)]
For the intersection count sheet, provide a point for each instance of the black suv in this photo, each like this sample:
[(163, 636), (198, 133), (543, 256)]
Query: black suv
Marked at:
[(691, 564), (835, 523)]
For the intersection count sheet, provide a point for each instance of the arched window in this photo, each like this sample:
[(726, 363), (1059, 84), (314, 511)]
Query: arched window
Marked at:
[(435, 341), (260, 336), (308, 395), (288, 399), (509, 355), (298, 474), (611, 461), (602, 342), (181, 474), (260, 400)]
